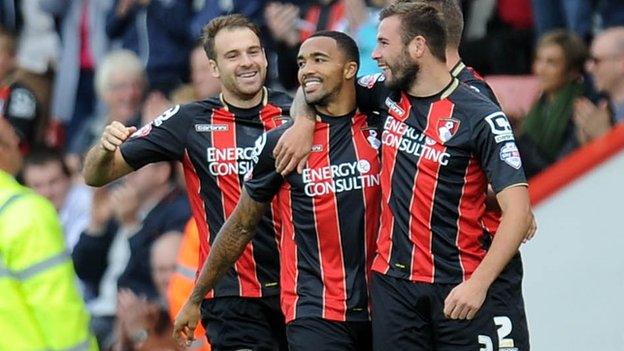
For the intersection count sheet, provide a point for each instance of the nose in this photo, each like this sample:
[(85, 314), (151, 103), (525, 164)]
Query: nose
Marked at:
[(376, 54), (246, 60)]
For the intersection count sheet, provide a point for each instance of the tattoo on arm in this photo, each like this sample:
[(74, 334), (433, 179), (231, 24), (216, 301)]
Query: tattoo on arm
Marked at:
[(300, 107), (229, 244)]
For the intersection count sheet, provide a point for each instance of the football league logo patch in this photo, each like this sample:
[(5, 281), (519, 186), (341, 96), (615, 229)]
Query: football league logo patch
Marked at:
[(510, 154), (447, 128)]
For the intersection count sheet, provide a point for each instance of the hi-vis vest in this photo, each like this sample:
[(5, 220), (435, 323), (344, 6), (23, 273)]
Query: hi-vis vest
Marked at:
[(40, 305), (183, 280)]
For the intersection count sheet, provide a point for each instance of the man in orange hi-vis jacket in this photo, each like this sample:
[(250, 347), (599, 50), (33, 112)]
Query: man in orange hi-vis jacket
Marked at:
[(181, 283)]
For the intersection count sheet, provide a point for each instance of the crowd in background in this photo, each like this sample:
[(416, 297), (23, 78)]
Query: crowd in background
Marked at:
[(69, 68)]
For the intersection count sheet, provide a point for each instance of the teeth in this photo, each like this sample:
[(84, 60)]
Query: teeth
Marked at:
[(248, 75)]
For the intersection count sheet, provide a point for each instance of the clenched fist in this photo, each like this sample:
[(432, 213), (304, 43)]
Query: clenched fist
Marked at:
[(115, 134)]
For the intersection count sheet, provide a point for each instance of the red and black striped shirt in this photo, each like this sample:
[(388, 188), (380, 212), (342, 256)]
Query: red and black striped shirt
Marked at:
[(330, 217), (216, 143), (438, 153)]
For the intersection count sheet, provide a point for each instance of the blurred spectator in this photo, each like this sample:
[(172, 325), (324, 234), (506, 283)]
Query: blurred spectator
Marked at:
[(158, 32), (40, 305), (210, 9), (45, 172), (39, 43), (548, 133), (17, 102), (203, 79), (11, 15), (290, 25), (114, 250), (145, 324), (120, 85), (611, 13), (574, 15), (183, 279), (363, 18), (606, 66), (84, 44), (509, 40)]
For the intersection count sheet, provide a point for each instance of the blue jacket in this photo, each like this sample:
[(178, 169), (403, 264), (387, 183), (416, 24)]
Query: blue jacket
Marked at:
[(159, 34)]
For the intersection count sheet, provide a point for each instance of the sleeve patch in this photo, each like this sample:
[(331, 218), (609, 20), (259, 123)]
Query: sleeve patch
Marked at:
[(368, 81), (510, 155)]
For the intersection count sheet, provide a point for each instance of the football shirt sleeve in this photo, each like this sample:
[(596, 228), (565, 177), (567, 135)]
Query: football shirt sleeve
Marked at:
[(496, 150), (164, 139), (371, 93)]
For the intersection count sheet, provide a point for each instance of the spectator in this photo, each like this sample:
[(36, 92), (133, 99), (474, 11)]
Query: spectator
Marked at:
[(203, 79), (183, 279), (606, 66), (11, 15), (84, 44), (144, 324), (210, 9), (574, 15), (114, 251), (120, 84), (157, 31), (363, 18), (45, 172), (40, 305), (290, 25), (17, 102), (548, 133)]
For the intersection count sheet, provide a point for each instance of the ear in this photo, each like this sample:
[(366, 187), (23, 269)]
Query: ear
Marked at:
[(350, 70), (214, 69), (417, 47)]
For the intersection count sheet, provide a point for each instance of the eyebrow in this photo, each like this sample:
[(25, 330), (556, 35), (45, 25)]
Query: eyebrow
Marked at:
[(238, 50), (314, 54)]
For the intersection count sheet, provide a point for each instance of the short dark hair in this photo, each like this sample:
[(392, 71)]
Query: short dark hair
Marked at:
[(41, 155), (344, 42), (453, 20), (574, 49), (217, 24), (418, 18)]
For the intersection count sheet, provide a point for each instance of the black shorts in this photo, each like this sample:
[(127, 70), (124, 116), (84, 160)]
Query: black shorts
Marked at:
[(410, 316), (236, 323), (316, 334)]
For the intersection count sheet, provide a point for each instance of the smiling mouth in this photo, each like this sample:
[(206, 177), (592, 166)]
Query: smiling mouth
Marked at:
[(311, 83), (248, 75)]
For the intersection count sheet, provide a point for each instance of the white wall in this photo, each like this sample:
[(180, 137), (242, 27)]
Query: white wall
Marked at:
[(574, 267)]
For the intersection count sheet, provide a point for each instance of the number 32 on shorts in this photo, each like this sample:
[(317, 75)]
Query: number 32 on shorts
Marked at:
[(504, 327)]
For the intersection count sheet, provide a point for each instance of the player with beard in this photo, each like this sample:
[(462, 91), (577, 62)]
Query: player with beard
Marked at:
[(215, 141), (435, 285), (330, 212)]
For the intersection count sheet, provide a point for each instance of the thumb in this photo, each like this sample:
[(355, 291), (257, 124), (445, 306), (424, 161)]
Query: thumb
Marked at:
[(603, 105), (131, 129)]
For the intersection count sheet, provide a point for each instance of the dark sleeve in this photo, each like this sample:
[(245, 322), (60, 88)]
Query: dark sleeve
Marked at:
[(263, 182), (164, 139), (281, 100), (496, 150), (90, 255), (21, 111), (116, 26), (371, 93), (173, 16)]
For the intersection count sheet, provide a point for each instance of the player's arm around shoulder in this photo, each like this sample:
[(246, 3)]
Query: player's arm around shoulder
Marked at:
[(104, 161)]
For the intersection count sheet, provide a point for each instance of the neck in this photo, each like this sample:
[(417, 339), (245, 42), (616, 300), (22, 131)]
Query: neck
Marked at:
[(432, 78), (246, 101), (341, 104), (452, 57)]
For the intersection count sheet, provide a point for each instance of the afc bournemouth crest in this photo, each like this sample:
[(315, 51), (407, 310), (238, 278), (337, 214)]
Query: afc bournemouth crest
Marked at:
[(447, 127), (372, 136)]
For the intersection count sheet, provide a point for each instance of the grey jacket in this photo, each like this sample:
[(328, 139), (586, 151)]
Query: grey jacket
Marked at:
[(66, 81)]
